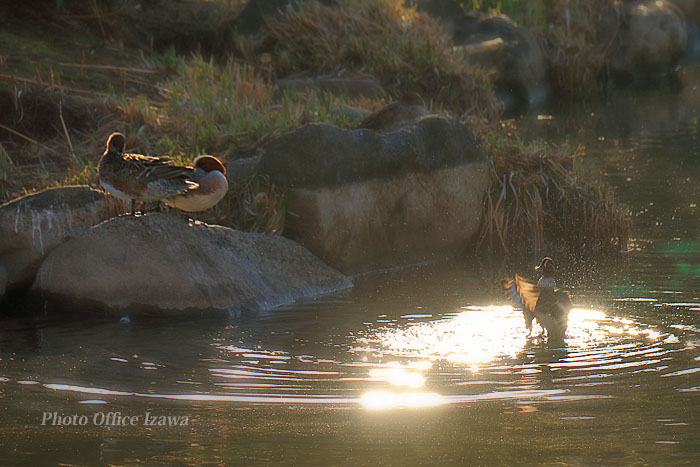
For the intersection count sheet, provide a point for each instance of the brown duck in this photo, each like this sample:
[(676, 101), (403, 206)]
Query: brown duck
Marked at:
[(542, 301), (134, 177)]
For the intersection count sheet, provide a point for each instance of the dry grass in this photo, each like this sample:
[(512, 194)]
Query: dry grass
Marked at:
[(575, 46), (540, 198), (404, 49)]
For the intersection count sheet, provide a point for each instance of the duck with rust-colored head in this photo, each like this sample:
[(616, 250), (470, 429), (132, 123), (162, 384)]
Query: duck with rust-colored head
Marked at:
[(210, 175), (134, 177), (542, 300)]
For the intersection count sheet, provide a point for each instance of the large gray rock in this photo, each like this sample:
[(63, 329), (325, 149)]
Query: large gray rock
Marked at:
[(31, 226), (380, 223), (319, 155), (167, 262), (652, 41), (3, 281), (362, 200), (689, 8), (511, 52)]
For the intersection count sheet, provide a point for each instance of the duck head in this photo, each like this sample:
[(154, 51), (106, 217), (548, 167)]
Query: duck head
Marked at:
[(209, 164), (546, 267), (115, 143)]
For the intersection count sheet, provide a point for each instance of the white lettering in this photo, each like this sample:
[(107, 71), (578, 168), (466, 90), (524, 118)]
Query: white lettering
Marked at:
[(46, 416)]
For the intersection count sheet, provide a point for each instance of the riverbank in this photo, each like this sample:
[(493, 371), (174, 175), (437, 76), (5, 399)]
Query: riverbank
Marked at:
[(178, 89)]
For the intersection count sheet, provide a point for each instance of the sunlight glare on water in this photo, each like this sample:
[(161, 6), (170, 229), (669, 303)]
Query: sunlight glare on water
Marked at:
[(481, 334), (473, 336)]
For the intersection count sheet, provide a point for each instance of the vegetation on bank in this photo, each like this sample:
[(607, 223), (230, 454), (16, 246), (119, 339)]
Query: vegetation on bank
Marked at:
[(576, 36), (222, 100), (541, 196)]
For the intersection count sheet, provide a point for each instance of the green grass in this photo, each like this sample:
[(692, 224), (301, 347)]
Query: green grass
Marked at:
[(221, 108)]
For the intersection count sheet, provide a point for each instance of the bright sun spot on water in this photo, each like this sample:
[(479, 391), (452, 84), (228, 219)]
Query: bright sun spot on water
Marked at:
[(476, 335), (479, 335), (471, 339), (383, 400), (397, 377)]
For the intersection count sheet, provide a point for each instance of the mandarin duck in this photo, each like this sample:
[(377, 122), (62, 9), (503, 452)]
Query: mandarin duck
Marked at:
[(210, 174), (542, 301), (134, 177)]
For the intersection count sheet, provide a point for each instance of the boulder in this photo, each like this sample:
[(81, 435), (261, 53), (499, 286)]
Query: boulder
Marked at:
[(33, 225), (652, 42), (3, 281), (689, 8), (167, 262), (520, 67), (496, 43), (321, 155), (363, 200)]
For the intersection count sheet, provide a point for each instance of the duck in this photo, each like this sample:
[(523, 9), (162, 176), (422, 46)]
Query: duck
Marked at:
[(541, 300), (135, 177), (210, 175), (410, 107)]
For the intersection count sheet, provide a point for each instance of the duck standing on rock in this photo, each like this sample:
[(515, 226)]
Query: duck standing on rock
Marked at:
[(542, 300), (133, 177), (210, 175)]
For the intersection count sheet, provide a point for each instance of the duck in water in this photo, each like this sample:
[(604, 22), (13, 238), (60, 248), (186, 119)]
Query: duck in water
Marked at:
[(542, 301), (134, 177)]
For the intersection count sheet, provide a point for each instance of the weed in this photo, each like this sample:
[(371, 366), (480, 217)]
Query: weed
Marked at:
[(540, 197), (401, 47)]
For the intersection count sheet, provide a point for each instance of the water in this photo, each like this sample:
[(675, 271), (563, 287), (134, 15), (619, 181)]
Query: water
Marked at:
[(425, 365)]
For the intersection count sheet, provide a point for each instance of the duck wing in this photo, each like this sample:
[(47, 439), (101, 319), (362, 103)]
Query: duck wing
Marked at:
[(529, 292), (148, 168), (524, 293)]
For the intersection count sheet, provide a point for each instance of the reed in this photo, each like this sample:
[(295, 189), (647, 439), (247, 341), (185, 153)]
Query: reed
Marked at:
[(540, 199)]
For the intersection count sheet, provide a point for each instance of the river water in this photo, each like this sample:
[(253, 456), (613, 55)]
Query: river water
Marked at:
[(425, 365)]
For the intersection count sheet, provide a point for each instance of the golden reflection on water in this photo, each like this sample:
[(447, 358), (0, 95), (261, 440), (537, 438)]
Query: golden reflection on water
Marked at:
[(473, 338), (479, 353), (480, 335), (397, 377), (476, 335), (383, 400)]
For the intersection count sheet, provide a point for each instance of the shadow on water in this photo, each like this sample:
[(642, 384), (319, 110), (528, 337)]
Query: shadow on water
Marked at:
[(420, 365)]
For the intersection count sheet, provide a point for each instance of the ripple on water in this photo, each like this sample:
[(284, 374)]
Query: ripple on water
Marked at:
[(480, 353)]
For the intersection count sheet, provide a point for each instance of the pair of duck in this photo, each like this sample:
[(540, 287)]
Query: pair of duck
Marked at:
[(541, 300), (134, 177)]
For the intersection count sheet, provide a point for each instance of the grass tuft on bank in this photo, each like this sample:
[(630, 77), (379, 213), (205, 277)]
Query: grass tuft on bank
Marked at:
[(541, 199), (401, 47)]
